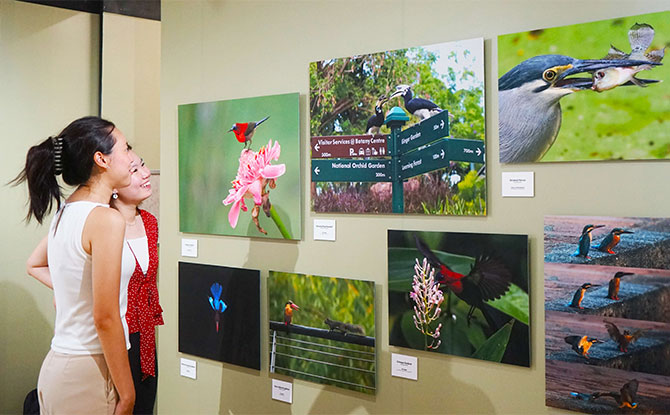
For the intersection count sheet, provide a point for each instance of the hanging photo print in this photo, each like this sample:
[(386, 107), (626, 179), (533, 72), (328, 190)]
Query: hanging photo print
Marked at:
[(400, 131), (607, 314), (464, 294), (589, 91), (219, 313)]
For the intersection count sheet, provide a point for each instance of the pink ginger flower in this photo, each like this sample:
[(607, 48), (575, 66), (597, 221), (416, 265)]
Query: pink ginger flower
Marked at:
[(427, 297), (253, 174)]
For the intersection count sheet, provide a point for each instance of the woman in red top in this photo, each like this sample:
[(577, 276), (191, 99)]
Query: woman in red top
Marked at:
[(144, 311)]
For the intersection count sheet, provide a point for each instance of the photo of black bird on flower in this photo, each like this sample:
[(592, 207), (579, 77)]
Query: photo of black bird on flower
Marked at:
[(607, 313), (464, 294), (352, 101)]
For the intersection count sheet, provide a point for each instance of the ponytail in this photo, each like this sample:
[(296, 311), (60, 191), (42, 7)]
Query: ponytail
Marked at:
[(70, 153)]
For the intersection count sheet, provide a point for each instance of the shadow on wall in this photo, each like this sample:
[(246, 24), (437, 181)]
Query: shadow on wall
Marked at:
[(27, 332), (244, 379)]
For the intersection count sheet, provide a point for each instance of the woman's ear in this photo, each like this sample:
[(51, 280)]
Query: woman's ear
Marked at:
[(100, 160)]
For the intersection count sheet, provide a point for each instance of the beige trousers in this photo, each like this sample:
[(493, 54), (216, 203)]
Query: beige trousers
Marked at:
[(75, 384)]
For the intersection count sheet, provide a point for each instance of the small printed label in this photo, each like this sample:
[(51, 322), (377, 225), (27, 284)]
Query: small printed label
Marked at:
[(324, 229), (404, 366), (282, 391), (189, 247), (518, 184), (187, 368)]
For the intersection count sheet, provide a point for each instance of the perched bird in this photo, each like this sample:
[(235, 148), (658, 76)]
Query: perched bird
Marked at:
[(488, 279), (529, 108), (376, 121), (623, 339), (288, 312), (217, 303), (627, 395), (585, 241), (611, 240), (613, 291), (419, 107), (581, 344), (244, 131), (640, 37), (579, 295)]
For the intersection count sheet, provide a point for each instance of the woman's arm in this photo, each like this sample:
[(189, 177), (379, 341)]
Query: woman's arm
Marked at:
[(103, 236), (38, 265)]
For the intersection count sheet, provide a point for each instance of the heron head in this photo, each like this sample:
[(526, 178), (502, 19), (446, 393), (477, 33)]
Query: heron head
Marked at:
[(552, 73)]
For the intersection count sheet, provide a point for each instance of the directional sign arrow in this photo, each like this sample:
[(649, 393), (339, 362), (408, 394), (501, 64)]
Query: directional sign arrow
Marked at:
[(351, 170), (424, 132), (316, 146), (438, 155), (461, 149)]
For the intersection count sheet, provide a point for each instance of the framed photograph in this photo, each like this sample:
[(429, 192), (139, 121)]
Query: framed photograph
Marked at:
[(464, 294), (607, 313), (322, 329), (219, 313), (239, 167), (589, 91), (433, 97)]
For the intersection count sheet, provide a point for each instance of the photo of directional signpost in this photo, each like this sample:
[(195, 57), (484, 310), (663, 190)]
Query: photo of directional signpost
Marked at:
[(607, 313), (239, 167), (400, 131)]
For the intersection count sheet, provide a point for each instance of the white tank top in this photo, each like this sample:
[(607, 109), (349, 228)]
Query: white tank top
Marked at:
[(71, 274)]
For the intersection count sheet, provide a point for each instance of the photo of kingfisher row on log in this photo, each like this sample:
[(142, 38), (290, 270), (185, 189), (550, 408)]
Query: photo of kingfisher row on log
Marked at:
[(607, 313), (434, 163)]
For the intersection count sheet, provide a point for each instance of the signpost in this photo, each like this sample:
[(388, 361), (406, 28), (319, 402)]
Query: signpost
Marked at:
[(337, 146), (419, 149), (345, 170)]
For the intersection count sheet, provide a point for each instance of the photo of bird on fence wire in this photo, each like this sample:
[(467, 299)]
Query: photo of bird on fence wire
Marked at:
[(607, 313), (239, 167), (463, 294), (322, 329), (589, 91), (400, 131)]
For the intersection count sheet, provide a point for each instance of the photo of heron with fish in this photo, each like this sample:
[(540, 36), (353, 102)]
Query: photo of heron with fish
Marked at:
[(435, 96), (591, 91)]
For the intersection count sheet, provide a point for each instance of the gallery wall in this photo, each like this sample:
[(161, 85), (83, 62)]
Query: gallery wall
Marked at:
[(215, 50), (49, 76)]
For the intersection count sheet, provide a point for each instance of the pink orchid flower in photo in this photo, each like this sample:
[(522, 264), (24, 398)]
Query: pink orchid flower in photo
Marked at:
[(254, 173)]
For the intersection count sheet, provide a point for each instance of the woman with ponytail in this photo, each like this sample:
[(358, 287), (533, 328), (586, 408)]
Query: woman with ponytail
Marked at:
[(86, 371)]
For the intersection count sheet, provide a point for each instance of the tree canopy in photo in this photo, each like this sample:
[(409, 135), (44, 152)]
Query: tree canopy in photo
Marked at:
[(343, 92)]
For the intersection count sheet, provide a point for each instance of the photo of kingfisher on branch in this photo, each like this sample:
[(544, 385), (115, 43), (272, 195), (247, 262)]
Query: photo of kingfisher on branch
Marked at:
[(400, 131)]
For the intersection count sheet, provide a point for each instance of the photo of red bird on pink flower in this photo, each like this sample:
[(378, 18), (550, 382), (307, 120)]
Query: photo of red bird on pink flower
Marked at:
[(241, 180)]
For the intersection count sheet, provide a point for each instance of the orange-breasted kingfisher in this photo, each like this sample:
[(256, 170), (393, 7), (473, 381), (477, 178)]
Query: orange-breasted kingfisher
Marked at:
[(579, 295), (288, 312), (627, 395), (488, 279), (613, 292), (623, 339), (581, 344), (244, 131), (611, 240), (585, 241)]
